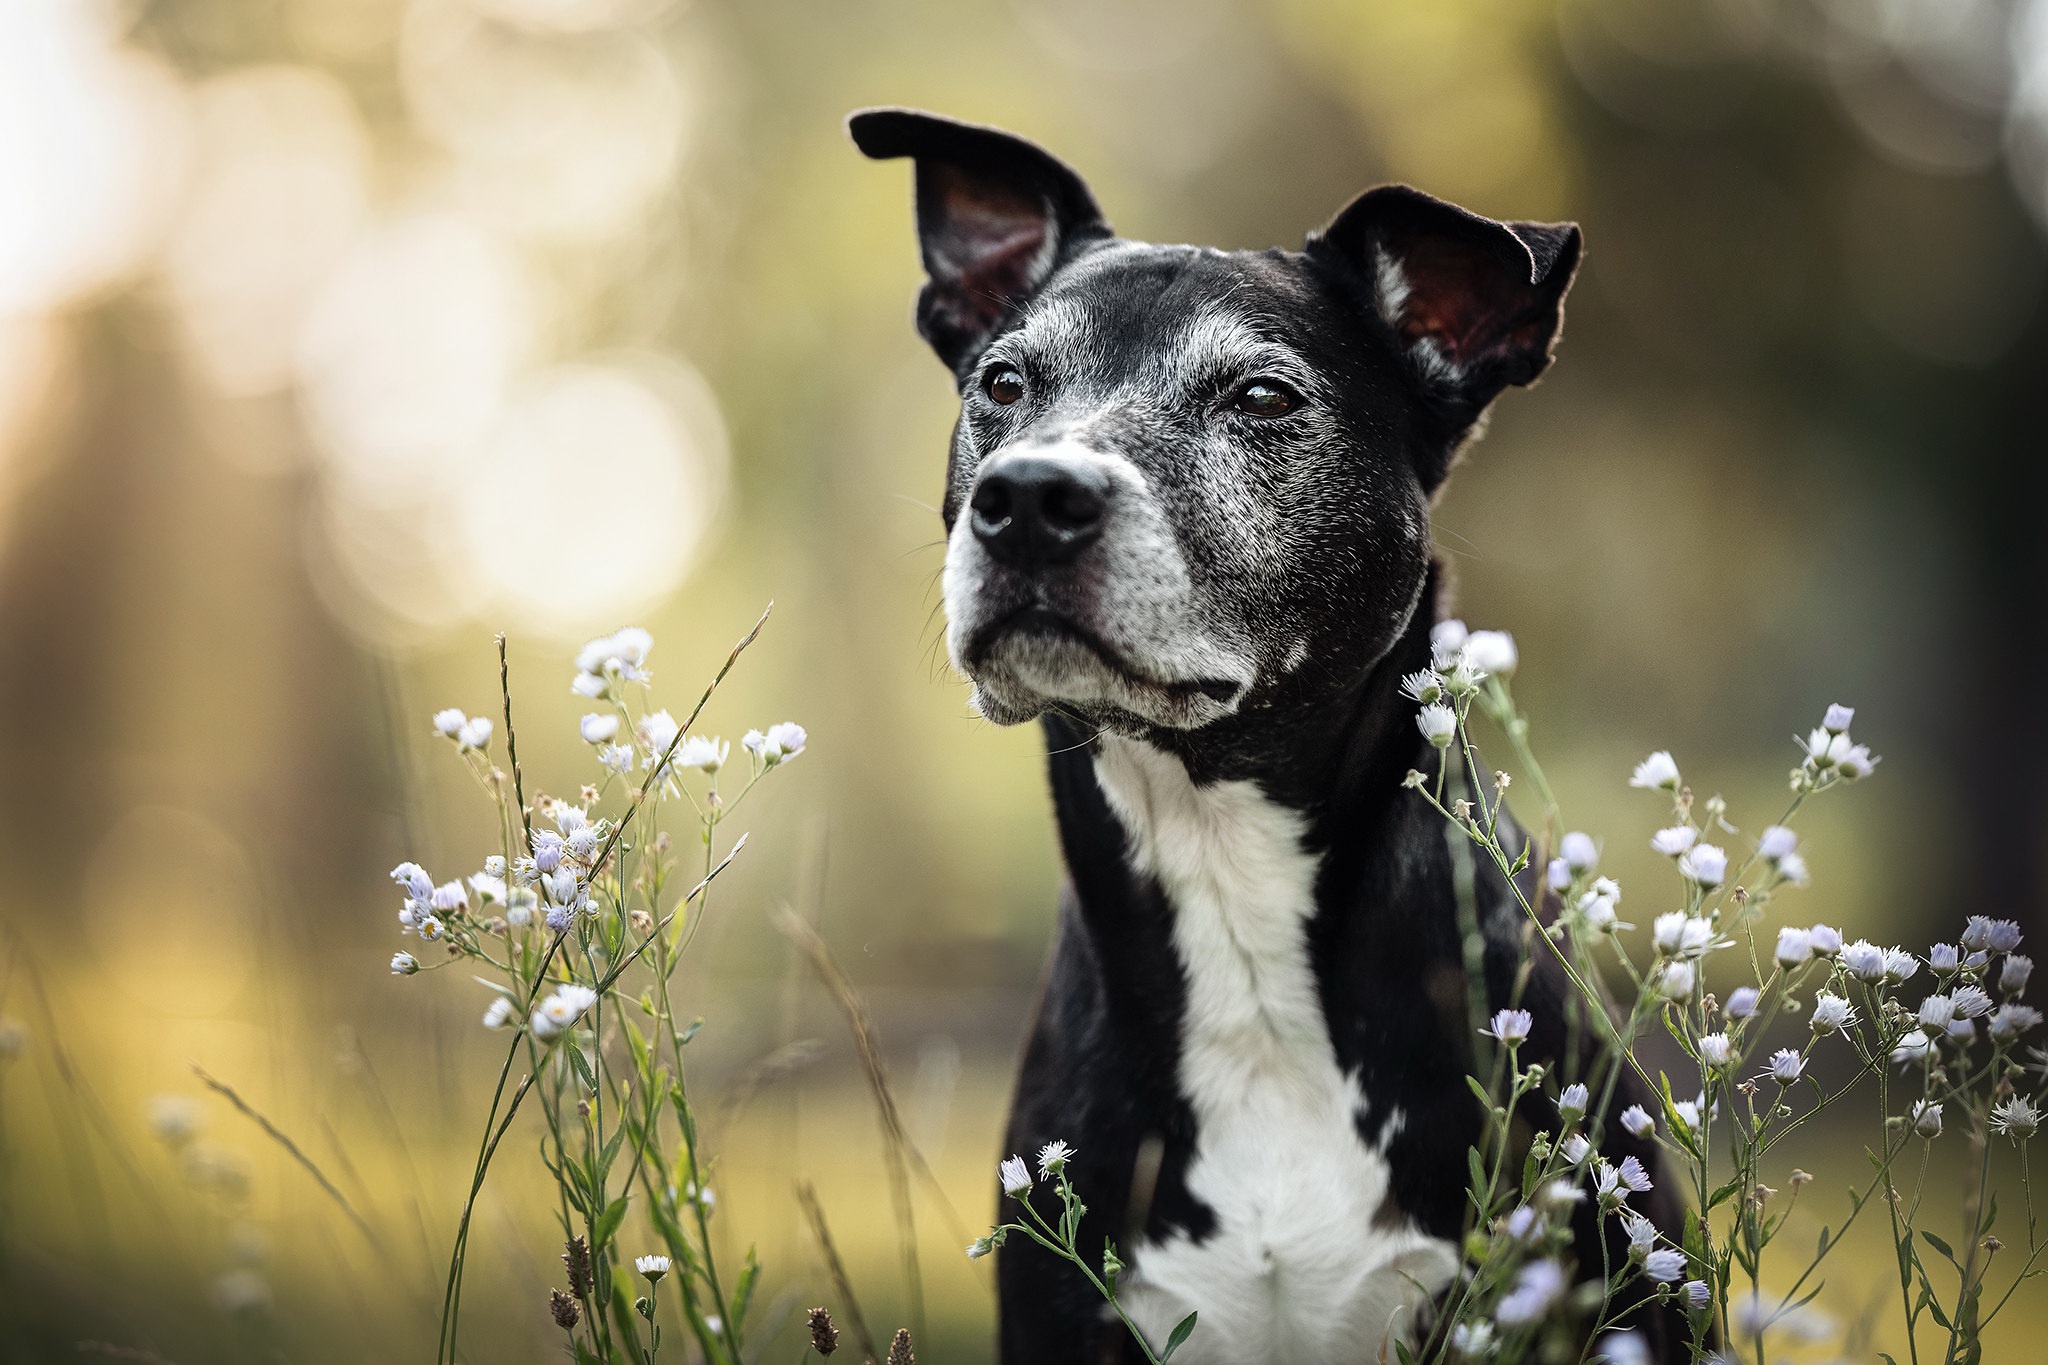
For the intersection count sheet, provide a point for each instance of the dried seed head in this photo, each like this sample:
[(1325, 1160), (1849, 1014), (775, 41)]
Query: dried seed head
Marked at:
[(576, 1256), (642, 922), (1798, 1178), (590, 794), (567, 1312), (899, 1349), (1993, 1245), (824, 1336)]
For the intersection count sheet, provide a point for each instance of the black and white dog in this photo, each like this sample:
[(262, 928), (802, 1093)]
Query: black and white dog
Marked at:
[(1188, 510)]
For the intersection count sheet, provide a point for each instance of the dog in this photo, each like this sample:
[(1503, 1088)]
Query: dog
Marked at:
[(1188, 531)]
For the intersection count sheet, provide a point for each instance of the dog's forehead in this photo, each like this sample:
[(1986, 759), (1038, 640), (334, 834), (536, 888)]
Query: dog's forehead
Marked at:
[(1174, 307)]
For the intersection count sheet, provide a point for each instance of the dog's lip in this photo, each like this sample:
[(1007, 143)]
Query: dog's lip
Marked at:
[(1037, 617)]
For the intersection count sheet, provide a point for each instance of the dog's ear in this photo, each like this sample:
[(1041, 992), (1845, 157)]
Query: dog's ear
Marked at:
[(995, 214), (1475, 304)]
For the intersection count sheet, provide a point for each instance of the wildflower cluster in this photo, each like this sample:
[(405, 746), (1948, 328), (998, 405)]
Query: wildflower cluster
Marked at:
[(576, 924), (1786, 1008), (1059, 1238)]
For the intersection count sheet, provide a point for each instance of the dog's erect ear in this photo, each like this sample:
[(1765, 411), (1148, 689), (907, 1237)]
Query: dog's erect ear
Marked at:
[(1474, 303), (994, 216)]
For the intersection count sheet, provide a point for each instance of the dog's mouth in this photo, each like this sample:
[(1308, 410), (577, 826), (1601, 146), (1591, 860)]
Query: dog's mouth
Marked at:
[(1041, 643)]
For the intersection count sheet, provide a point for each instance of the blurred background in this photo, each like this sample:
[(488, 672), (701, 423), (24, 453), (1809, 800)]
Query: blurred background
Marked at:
[(337, 335)]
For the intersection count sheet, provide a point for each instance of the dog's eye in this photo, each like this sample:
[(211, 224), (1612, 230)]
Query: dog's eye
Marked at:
[(1266, 398), (1004, 385)]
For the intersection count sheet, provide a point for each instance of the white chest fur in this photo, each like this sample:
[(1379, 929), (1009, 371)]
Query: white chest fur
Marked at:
[(1306, 1264)]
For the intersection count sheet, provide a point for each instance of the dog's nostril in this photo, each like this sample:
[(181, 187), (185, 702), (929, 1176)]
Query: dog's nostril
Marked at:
[(992, 500), (1072, 507), (1036, 510)]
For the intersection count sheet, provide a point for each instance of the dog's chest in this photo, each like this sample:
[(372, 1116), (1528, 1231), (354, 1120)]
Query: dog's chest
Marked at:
[(1308, 1261)]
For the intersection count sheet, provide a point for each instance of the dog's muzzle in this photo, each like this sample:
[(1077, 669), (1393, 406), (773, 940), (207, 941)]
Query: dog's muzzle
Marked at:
[(1033, 512)]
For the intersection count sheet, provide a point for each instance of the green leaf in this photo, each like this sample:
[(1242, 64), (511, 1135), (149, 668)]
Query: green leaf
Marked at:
[(743, 1293), (608, 1222), (581, 1064), (611, 1151), (690, 1030), (1180, 1334), (1724, 1194), (1940, 1246), (1940, 1318), (1475, 1171)]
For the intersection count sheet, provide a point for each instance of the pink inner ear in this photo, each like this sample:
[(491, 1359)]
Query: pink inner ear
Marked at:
[(990, 236), (1465, 302)]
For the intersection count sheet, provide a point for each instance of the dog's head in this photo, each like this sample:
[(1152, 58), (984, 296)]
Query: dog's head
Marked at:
[(1184, 479)]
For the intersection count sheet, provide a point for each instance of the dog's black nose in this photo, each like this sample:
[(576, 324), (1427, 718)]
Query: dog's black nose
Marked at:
[(1035, 510)]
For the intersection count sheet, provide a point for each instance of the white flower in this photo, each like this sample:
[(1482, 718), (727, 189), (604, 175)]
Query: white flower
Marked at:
[(1794, 946), (1944, 958), (1438, 724), (560, 1010), (1792, 867), (1993, 935), (404, 964), (415, 880), (1704, 864), (1677, 934), (1741, 1002), (1971, 1002), (500, 1013), (620, 654), (475, 733), (598, 728), (489, 889), (449, 897), (1715, 1050), (1472, 1340), (1936, 1013), (658, 730), (430, 928), (1571, 1105), (1510, 1026), (1598, 911), (1925, 1118), (1642, 1235), (1632, 1174), (1912, 1047), (783, 741), (1659, 770), (704, 753), (1858, 762), (1446, 639), (1558, 874), (563, 888), (616, 757), (1664, 1264), (1016, 1177), (2016, 1118), (1491, 651), (1637, 1120), (1697, 1295), (1899, 965), (653, 1267), (1575, 1149), (1826, 940), (1423, 687), (1864, 960), (1622, 1348), (1053, 1158), (1537, 1286), (1831, 1013), (1838, 718), (1674, 841), (1579, 852), (588, 685), (1824, 748), (2010, 1021), (980, 1247), (449, 722), (1675, 980), (1786, 1065), (1775, 842)]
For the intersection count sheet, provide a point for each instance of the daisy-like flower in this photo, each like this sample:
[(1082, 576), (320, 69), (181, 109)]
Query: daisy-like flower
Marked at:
[(980, 1247), (1899, 965), (1936, 1013), (1838, 718), (1912, 1047), (1792, 867), (547, 851), (1864, 960), (653, 1267), (620, 655), (1715, 1050), (1689, 1114), (1642, 1235), (2016, 1118), (450, 897), (1558, 874), (783, 741), (1579, 851), (1971, 1002), (1424, 687), (1826, 939), (1831, 1013), (1925, 1118), (1824, 748), (1658, 771), (1675, 840), (2010, 1021), (658, 730), (1677, 934), (1786, 1065), (1438, 724), (1857, 763), (1537, 1286), (1637, 1121), (1705, 864), (404, 964), (1794, 946), (1697, 1295), (474, 734), (1676, 980), (560, 1011), (1741, 1002), (1510, 1026), (617, 758), (449, 722), (418, 885), (1472, 1340), (500, 1013), (1944, 958), (1665, 1264), (598, 728), (1016, 1177), (1446, 639), (1622, 1348), (1571, 1105), (1633, 1175), (1575, 1149), (1492, 651), (1775, 842), (1053, 1158)]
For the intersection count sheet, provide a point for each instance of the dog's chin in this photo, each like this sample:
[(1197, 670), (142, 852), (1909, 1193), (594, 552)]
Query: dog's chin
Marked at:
[(1024, 672)]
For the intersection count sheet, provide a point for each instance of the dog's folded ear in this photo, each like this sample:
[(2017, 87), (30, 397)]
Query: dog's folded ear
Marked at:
[(1475, 304), (995, 216)]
